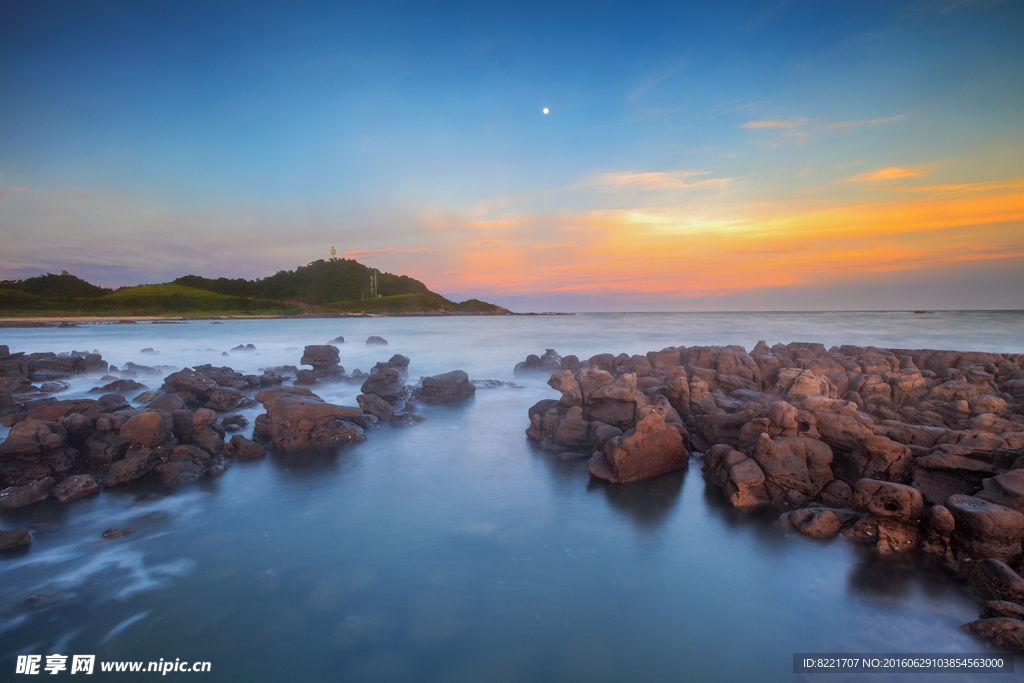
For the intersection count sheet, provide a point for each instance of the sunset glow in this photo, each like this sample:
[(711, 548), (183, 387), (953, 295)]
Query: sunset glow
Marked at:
[(807, 157)]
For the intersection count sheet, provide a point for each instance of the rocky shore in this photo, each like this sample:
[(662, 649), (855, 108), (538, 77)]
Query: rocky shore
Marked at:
[(913, 452), (178, 433)]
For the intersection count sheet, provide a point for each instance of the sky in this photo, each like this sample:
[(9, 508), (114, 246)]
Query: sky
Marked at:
[(695, 156)]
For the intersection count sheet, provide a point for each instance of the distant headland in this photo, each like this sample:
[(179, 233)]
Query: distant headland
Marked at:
[(324, 288)]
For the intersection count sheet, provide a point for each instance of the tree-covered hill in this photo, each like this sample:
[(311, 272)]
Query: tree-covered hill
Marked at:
[(52, 286)]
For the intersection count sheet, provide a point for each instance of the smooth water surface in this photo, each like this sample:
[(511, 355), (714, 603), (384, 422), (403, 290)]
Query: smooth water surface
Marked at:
[(455, 550)]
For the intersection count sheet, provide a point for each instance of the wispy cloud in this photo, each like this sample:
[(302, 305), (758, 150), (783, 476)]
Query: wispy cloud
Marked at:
[(17, 189), (375, 252), (776, 123), (654, 180), (488, 243), (894, 173), (848, 125), (654, 80)]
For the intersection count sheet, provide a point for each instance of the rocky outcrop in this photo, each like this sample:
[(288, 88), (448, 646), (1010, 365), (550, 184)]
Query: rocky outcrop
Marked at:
[(546, 364), (649, 449), (445, 388), (295, 422), (387, 383), (324, 359)]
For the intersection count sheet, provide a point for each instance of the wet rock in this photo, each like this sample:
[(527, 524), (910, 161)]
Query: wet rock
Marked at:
[(148, 428), (305, 378), (135, 465), (120, 386), (243, 348), (997, 581), (15, 539), (376, 341), (837, 494), (1002, 632), (396, 362), (75, 487), (118, 533), (1002, 608), (817, 522), (1006, 489), (445, 388), (245, 449), (885, 499), (796, 468), (225, 399), (337, 340), (985, 529), (323, 358), (20, 496), (387, 384), (233, 423), (650, 449), (376, 406), (306, 422), (739, 477), (877, 457), (936, 529), (545, 364)]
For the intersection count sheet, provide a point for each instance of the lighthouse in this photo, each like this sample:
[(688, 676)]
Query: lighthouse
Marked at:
[(333, 254)]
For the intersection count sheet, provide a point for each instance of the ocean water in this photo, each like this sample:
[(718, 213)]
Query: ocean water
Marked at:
[(455, 550)]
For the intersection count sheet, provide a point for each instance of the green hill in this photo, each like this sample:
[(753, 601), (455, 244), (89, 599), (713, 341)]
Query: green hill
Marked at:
[(52, 286), (335, 286)]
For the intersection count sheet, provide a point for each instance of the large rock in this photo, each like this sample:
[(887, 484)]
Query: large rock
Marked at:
[(14, 539), (1002, 632), (136, 465), (324, 358), (651, 448), (1006, 489), (73, 488), (445, 388), (885, 499), (148, 428), (294, 423), (376, 406), (20, 496), (996, 581), (796, 468), (985, 529), (388, 384), (739, 477)]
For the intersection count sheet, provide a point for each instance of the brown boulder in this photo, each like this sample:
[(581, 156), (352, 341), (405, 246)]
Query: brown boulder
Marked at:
[(148, 428), (305, 422), (245, 449), (739, 477), (650, 449), (1002, 632), (137, 464), (446, 388), (877, 457), (796, 468), (985, 529), (73, 488), (996, 581), (885, 499), (1006, 489), (14, 539), (20, 496)]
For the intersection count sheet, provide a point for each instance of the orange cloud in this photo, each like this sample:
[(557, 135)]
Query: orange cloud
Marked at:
[(17, 189), (366, 254), (895, 172), (487, 243)]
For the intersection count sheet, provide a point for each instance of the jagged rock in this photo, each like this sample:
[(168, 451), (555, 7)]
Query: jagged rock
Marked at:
[(877, 457), (996, 581), (307, 422), (73, 488), (14, 539), (818, 522), (445, 388), (324, 359), (20, 496), (1006, 489), (228, 399), (232, 423), (885, 499), (388, 384), (739, 477), (135, 465), (148, 428), (245, 449), (376, 406), (396, 362), (1002, 632), (985, 529), (1001, 608), (305, 378), (651, 448), (796, 468)]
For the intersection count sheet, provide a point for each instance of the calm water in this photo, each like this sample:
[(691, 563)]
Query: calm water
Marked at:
[(455, 550)]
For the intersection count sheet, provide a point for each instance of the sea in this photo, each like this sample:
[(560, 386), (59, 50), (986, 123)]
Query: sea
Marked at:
[(455, 549)]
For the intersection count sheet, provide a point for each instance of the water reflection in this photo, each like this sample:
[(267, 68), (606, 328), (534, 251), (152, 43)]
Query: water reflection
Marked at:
[(646, 503)]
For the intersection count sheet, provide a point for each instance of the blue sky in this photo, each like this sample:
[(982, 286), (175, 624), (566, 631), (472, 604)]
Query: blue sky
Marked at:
[(140, 141)]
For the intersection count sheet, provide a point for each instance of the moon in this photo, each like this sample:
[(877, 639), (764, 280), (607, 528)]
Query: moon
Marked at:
[(546, 110)]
